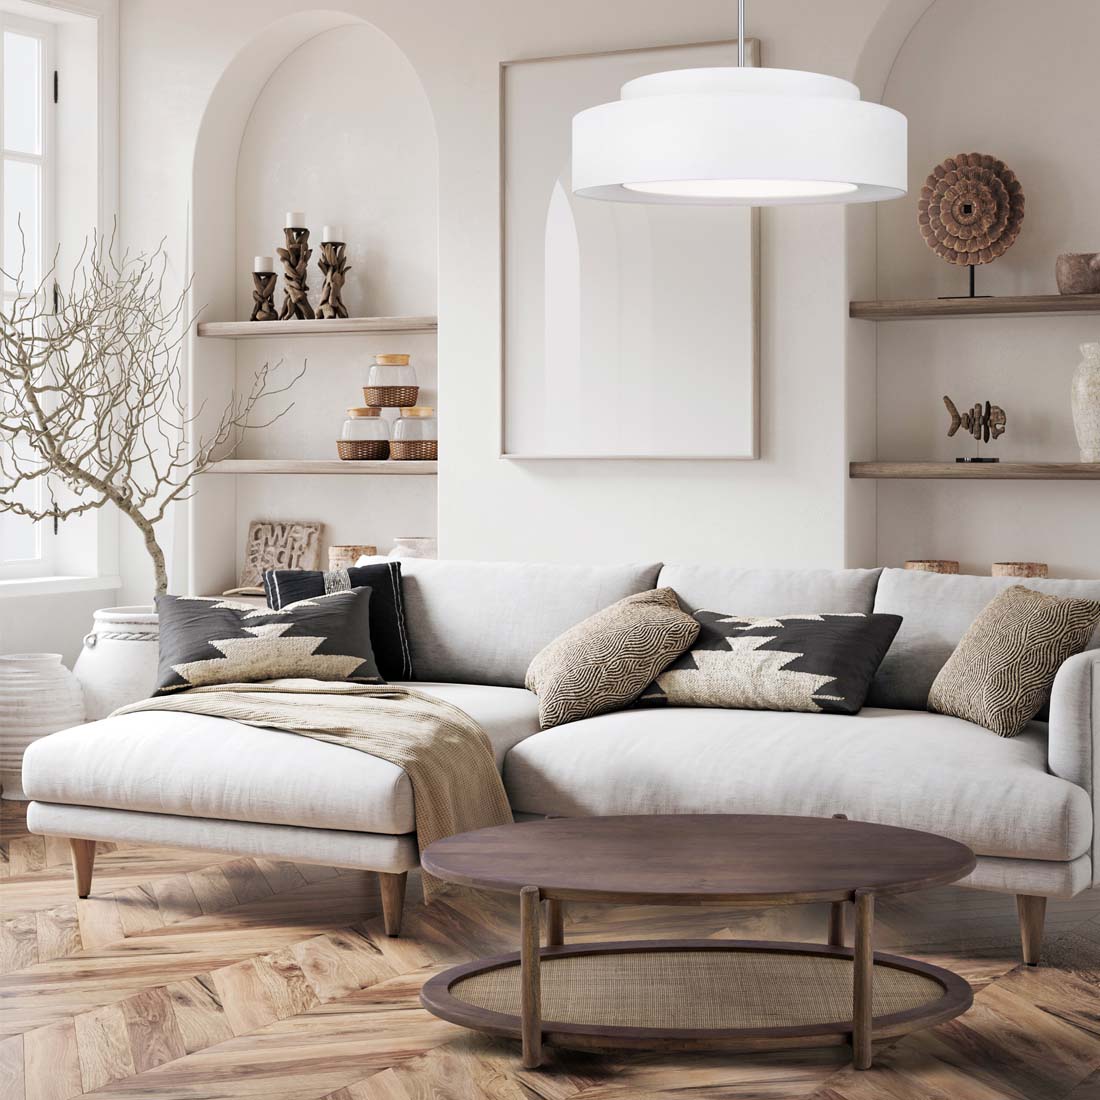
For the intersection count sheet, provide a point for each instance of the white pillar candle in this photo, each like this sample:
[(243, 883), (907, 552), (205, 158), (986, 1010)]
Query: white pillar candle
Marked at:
[(332, 234), (263, 264), (295, 219)]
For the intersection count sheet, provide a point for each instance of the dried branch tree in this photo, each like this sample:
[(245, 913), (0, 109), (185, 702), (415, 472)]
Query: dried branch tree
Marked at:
[(92, 403)]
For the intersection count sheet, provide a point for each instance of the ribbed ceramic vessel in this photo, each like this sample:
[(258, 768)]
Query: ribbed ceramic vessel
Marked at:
[(118, 664), (38, 695), (1086, 402)]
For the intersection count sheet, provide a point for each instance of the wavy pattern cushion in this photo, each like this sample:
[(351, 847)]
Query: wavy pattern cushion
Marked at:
[(606, 661), (805, 662), (1002, 670)]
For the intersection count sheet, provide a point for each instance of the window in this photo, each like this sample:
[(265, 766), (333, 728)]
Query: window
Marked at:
[(27, 239)]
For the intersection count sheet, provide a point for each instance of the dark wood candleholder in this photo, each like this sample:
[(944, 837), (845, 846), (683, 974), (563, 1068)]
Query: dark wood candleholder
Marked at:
[(263, 296), (295, 259), (334, 267)]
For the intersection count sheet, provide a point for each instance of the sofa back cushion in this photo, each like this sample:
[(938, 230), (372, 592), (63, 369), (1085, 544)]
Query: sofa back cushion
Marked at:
[(936, 610), (481, 622), (771, 591)]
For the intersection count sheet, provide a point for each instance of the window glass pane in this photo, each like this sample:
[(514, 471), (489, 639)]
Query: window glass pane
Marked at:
[(21, 211), (22, 92), (18, 535)]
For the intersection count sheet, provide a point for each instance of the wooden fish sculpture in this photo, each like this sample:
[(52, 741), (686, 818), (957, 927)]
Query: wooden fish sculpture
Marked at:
[(985, 423)]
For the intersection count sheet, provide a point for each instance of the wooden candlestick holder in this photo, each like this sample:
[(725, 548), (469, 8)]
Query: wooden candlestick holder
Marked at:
[(295, 259), (263, 296), (334, 267)]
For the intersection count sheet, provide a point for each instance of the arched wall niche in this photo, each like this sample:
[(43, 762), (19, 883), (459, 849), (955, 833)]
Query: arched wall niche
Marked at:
[(209, 539)]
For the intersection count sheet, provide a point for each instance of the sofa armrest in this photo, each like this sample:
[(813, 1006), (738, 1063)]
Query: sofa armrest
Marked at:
[(1072, 751)]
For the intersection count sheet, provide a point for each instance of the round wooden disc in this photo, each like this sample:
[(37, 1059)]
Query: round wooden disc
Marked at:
[(698, 858)]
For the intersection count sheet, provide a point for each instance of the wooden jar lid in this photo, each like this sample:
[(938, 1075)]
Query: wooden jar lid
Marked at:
[(392, 360), (418, 411), (362, 412)]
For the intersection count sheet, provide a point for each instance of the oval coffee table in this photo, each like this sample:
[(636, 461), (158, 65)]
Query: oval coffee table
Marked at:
[(697, 994)]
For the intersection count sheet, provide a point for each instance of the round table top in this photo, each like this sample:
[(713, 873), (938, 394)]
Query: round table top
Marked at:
[(699, 858)]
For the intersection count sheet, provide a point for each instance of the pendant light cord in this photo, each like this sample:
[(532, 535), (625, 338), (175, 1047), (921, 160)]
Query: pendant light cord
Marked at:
[(740, 34)]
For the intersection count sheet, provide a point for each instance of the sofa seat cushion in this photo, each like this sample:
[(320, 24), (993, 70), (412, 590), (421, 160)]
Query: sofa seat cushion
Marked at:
[(918, 770), (196, 766)]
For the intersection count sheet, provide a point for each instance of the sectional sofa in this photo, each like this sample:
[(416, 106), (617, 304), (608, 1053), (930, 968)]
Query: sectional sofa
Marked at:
[(1027, 806)]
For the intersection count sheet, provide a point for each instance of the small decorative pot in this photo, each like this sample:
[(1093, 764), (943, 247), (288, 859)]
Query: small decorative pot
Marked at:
[(1020, 569), (1086, 403), (414, 546), (38, 695), (932, 565), (344, 557), (118, 664), (1078, 273)]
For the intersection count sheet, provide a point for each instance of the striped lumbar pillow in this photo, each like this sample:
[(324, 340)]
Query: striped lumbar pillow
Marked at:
[(1002, 670)]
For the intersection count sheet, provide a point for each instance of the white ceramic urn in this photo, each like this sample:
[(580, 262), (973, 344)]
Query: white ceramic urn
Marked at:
[(1086, 403), (38, 695), (118, 664)]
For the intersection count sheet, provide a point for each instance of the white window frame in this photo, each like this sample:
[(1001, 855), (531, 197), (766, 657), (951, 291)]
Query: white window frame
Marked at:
[(42, 564)]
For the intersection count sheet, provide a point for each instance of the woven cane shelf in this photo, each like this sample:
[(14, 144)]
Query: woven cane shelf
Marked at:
[(908, 309), (336, 326), (978, 471), (697, 995), (320, 466)]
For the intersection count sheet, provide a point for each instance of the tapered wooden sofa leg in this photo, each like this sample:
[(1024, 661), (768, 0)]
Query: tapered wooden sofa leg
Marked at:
[(393, 900), (1032, 912), (83, 861)]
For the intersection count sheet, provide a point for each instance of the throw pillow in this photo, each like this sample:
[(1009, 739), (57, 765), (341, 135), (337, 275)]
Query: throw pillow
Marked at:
[(387, 611), (790, 662), (209, 640), (1002, 670), (606, 661)]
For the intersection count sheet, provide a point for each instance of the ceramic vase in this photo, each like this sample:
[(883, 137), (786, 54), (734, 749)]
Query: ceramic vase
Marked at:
[(1086, 403), (38, 695), (414, 547), (118, 664)]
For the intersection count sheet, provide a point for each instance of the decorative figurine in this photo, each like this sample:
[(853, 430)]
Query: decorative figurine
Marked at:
[(1078, 273), (334, 267), (295, 259), (983, 424), (263, 289)]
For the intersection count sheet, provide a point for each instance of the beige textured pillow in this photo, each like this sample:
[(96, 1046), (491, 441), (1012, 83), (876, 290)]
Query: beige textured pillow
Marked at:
[(608, 660), (1001, 672)]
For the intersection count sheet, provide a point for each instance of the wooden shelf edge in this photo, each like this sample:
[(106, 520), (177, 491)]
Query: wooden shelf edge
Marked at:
[(969, 471), (384, 468), (906, 309), (238, 330)]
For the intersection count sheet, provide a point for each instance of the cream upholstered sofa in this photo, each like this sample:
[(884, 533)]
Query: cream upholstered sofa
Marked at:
[(1026, 805)]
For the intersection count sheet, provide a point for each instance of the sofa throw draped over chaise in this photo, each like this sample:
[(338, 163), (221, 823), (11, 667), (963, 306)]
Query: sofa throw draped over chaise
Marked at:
[(445, 753)]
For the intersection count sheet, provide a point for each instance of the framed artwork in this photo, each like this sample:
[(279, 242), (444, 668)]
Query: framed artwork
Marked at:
[(629, 330)]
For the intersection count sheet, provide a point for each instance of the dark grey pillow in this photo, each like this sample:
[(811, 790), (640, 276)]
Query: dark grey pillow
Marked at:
[(789, 662), (210, 640)]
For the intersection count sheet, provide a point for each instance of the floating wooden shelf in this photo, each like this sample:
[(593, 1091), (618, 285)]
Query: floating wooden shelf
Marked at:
[(983, 471), (1033, 304), (320, 466), (347, 326)]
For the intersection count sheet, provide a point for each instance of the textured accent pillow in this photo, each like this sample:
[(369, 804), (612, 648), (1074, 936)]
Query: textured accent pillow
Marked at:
[(789, 662), (606, 661), (209, 640), (388, 636), (1002, 670)]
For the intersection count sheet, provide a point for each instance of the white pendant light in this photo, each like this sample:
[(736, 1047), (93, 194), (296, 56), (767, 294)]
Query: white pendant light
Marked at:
[(739, 136)]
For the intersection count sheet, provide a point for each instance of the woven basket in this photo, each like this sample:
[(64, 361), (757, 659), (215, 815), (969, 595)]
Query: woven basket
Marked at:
[(415, 450), (391, 397), (360, 450)]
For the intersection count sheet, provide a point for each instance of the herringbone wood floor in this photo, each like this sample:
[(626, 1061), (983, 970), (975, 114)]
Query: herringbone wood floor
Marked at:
[(195, 976)]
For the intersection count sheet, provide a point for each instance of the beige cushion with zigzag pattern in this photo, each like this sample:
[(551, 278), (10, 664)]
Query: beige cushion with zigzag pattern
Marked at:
[(1002, 670), (609, 659)]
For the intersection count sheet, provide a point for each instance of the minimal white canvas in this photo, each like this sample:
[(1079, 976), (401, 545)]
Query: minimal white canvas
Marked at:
[(630, 331)]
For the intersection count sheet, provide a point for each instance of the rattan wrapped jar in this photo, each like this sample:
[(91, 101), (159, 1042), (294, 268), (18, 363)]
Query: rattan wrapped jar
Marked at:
[(391, 383), (416, 435), (366, 435)]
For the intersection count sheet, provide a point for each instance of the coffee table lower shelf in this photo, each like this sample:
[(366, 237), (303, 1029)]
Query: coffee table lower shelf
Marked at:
[(684, 995)]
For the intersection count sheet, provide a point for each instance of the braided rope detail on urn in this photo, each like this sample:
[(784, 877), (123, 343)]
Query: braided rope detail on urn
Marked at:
[(970, 209)]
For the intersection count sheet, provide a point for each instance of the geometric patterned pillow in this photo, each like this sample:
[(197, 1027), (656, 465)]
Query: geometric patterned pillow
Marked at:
[(1002, 670), (606, 661), (209, 640)]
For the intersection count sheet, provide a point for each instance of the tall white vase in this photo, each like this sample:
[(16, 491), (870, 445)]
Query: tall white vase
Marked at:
[(38, 695), (118, 664), (1086, 403)]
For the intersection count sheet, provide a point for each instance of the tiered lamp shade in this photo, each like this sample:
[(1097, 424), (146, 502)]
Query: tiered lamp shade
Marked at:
[(739, 136)]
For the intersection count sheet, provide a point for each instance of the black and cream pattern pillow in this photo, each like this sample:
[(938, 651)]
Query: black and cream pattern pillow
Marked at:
[(1003, 668), (209, 640), (791, 662), (606, 661), (387, 611)]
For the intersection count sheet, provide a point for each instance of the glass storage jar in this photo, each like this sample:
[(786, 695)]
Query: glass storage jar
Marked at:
[(391, 383), (416, 435), (366, 435)]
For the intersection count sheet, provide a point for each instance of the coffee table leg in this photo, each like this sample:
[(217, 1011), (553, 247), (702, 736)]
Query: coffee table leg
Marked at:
[(555, 923), (836, 924), (531, 1006), (862, 979)]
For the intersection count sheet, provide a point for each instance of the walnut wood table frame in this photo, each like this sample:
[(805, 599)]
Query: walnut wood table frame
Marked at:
[(732, 860)]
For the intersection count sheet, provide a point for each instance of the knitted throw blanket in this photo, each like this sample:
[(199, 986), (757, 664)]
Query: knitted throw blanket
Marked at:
[(444, 752)]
